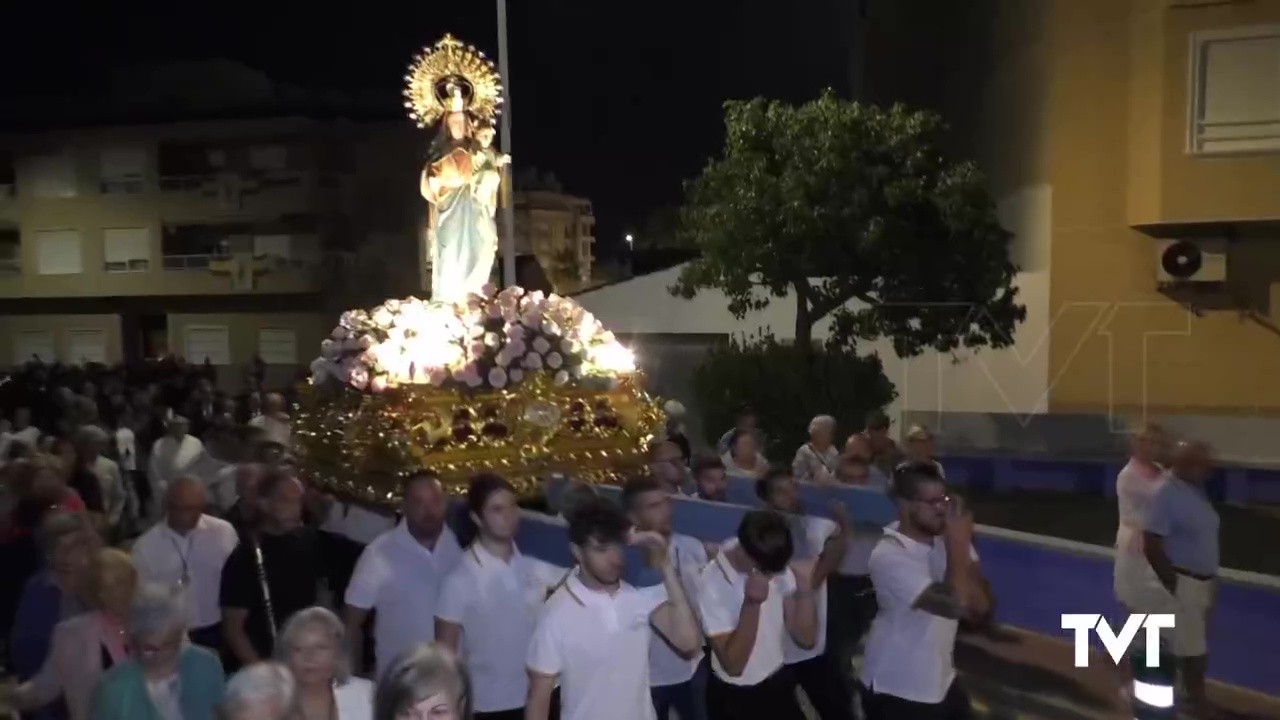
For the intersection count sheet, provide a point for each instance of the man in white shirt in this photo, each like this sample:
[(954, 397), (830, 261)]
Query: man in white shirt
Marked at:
[(399, 575), (490, 602), (594, 633), (751, 603), (927, 579), (274, 421), (188, 550), (671, 675), (852, 598), (821, 541), (172, 456)]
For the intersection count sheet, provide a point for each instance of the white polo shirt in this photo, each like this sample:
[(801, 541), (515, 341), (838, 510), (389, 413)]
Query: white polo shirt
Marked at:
[(721, 589), (816, 532), (401, 580), (688, 557), (598, 646), (909, 652), (497, 604), (195, 561)]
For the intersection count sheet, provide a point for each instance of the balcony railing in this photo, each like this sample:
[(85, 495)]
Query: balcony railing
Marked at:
[(198, 263)]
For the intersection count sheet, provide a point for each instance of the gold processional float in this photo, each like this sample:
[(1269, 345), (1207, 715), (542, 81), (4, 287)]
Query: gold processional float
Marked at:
[(519, 383)]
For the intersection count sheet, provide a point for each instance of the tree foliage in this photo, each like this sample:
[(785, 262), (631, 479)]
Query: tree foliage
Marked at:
[(837, 201), (787, 388)]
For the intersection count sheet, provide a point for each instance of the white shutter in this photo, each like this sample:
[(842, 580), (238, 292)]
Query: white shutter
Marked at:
[(126, 249), (50, 176), (58, 252), (278, 347), (212, 343), (124, 163), (30, 344), (278, 246), (86, 346), (1236, 93), (268, 157)]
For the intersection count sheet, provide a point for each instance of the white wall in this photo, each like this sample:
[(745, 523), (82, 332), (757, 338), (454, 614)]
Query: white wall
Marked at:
[(979, 385)]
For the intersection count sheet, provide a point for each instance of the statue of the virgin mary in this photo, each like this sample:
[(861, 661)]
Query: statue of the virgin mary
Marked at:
[(457, 85)]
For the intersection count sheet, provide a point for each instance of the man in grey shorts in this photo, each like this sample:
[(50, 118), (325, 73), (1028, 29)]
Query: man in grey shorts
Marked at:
[(1181, 543)]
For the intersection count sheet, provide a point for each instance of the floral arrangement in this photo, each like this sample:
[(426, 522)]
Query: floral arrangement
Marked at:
[(494, 340)]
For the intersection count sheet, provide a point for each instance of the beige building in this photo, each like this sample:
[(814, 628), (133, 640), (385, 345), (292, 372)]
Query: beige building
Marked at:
[(559, 230), (1119, 136), (219, 241)]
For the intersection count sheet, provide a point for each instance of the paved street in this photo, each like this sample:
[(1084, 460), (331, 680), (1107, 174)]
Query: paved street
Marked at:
[(1016, 675)]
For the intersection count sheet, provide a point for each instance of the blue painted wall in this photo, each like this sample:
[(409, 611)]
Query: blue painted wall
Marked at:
[(1229, 484), (1034, 584)]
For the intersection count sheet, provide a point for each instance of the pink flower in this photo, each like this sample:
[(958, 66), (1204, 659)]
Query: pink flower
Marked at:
[(359, 378), (533, 361), (540, 345), (436, 376), (378, 383), (516, 375), (488, 290), (497, 378)]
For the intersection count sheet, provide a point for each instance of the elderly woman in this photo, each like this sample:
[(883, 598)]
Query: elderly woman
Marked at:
[(86, 646), (262, 691), (744, 458), (426, 684), (168, 678), (67, 541), (816, 460), (313, 646)]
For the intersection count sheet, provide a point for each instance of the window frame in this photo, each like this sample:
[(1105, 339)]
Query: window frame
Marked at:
[(1196, 67)]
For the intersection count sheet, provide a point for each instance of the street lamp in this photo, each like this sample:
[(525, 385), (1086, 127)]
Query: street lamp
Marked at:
[(630, 239)]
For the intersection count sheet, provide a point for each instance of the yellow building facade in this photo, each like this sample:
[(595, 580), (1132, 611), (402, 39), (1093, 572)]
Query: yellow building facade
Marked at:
[(1110, 130), (223, 241), (559, 230)]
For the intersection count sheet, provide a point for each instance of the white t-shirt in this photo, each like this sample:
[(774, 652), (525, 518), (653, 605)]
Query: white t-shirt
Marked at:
[(721, 589), (909, 652), (688, 557), (816, 532), (401, 580), (164, 557), (496, 603), (598, 646)]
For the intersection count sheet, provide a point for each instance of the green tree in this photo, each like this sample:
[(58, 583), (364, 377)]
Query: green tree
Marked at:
[(835, 201)]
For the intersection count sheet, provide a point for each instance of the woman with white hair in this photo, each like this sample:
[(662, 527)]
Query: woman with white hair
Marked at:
[(425, 684), (313, 646), (167, 678), (816, 460), (262, 691)]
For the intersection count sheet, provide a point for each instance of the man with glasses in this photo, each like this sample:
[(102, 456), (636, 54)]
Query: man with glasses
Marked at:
[(927, 579)]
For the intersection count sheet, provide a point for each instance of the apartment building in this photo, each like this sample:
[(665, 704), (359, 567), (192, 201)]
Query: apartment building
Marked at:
[(558, 230), (1133, 147), (216, 241)]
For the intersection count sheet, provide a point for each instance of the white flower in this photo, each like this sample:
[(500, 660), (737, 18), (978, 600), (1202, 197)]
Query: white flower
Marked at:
[(497, 378), (367, 341), (488, 290), (550, 328), (378, 383), (554, 361), (382, 317), (533, 361), (560, 378), (516, 375), (570, 347), (540, 345), (501, 358), (491, 339)]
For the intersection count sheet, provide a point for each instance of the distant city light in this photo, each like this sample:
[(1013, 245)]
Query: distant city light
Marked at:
[(630, 239)]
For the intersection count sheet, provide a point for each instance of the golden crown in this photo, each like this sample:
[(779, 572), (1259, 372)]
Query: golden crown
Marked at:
[(451, 77)]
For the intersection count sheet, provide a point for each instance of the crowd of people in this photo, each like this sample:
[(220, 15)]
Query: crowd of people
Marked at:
[(159, 537)]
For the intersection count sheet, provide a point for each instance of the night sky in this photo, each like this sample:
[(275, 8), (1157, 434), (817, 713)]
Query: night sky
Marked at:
[(621, 101)]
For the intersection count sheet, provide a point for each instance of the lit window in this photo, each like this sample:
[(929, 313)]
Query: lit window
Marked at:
[(1235, 101)]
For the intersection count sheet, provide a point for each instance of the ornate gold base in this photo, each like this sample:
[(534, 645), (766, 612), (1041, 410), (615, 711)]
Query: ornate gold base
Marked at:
[(358, 446)]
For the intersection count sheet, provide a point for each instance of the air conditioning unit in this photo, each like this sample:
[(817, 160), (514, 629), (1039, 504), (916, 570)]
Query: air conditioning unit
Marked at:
[(1191, 261)]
